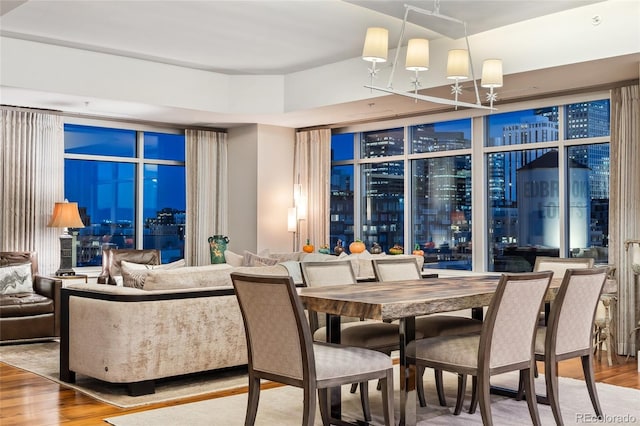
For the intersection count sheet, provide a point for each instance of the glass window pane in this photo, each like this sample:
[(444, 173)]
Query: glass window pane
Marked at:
[(105, 193), (342, 147), (382, 143), (99, 141), (587, 119), (164, 210), (521, 127), (442, 211), (589, 201), (444, 136), (341, 205), (523, 208), (164, 146), (382, 204)]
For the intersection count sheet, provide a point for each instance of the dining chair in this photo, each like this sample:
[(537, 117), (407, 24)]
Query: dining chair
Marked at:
[(281, 349), (376, 335), (504, 344), (399, 269), (569, 332)]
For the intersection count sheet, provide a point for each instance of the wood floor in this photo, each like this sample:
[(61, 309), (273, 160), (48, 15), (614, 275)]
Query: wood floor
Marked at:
[(28, 399)]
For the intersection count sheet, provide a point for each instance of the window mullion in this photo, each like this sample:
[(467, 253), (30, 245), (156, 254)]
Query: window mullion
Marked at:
[(139, 213)]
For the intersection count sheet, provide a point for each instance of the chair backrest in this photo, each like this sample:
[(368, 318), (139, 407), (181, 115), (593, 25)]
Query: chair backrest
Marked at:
[(19, 257), (573, 311), (560, 264), (112, 261), (396, 269), (278, 336), (333, 272), (508, 331)]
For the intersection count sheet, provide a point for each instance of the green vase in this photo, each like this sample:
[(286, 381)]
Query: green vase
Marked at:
[(217, 246)]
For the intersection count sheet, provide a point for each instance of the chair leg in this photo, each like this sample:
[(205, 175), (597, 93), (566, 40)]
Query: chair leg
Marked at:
[(440, 388), (530, 390), (252, 403), (484, 398), (462, 387), (325, 410), (387, 399), (364, 400), (551, 380), (354, 388), (420, 386), (587, 368), (520, 393), (474, 395)]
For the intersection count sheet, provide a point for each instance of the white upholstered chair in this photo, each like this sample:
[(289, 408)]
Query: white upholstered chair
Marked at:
[(376, 335), (569, 332), (281, 349), (399, 269), (505, 343)]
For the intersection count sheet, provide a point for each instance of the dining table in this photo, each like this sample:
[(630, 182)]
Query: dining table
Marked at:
[(402, 301)]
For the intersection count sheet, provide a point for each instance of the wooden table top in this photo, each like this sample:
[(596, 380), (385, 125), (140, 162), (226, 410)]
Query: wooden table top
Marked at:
[(401, 299)]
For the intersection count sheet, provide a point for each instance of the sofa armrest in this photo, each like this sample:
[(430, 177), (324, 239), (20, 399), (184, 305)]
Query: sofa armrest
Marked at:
[(50, 287)]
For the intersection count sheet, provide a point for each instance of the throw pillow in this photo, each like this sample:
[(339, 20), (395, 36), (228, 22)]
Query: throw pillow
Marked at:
[(252, 259), (16, 279), (134, 274), (233, 259)]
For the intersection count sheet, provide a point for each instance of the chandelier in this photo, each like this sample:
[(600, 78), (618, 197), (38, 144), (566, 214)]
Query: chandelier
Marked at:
[(459, 63)]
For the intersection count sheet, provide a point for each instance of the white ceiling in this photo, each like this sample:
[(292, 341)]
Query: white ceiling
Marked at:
[(246, 37)]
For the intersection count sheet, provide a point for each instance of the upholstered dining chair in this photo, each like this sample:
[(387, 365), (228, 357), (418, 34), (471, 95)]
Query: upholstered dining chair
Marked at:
[(569, 332), (504, 344), (399, 269), (369, 334), (281, 349)]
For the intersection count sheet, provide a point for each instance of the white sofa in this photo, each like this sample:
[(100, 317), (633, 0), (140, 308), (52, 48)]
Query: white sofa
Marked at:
[(188, 322)]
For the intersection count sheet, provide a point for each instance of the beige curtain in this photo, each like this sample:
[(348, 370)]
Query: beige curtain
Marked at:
[(312, 170), (31, 181), (207, 196), (624, 211)]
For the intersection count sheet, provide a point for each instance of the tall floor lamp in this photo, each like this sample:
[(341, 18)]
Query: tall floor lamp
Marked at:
[(635, 267), (66, 215)]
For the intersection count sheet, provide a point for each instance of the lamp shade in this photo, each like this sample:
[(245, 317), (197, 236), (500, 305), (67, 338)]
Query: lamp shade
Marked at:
[(417, 55), (292, 219), (66, 215), (458, 64), (376, 45), (491, 73)]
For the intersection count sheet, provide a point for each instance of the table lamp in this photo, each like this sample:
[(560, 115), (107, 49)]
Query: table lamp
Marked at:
[(66, 215)]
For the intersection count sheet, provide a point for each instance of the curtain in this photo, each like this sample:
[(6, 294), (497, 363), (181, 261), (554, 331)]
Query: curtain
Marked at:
[(312, 170), (207, 196), (31, 182), (624, 208)]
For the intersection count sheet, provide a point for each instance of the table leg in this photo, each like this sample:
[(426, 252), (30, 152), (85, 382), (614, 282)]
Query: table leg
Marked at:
[(335, 394), (408, 374)]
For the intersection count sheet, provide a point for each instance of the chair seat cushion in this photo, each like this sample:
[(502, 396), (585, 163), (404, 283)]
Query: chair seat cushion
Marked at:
[(333, 361), (445, 325), (365, 334), (24, 304), (461, 351)]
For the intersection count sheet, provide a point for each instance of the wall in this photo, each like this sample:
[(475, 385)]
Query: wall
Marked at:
[(260, 187)]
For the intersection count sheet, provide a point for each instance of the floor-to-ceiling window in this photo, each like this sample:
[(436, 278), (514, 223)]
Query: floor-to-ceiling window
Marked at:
[(130, 188), (540, 188)]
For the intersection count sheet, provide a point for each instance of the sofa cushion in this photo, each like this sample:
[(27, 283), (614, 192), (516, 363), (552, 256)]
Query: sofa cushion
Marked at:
[(252, 259), (233, 259), (16, 279), (25, 305), (134, 274)]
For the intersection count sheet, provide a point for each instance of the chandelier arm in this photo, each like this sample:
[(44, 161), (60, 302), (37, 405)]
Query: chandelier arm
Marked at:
[(432, 99), (395, 60), (473, 74)]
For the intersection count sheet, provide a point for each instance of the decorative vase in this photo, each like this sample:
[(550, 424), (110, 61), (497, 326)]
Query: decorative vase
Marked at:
[(338, 249), (375, 248), (217, 246)]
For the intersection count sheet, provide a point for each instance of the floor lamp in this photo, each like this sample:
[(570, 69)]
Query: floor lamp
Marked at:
[(635, 267)]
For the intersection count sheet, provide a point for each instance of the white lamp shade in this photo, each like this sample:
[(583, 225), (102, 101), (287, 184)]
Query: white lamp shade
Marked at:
[(376, 45), (291, 219), (491, 73), (458, 64), (417, 55)]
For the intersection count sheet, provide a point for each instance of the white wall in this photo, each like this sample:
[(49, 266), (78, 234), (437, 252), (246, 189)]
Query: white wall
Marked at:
[(260, 187)]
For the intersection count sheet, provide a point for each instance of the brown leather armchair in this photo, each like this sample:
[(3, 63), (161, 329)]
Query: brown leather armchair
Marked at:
[(30, 316), (112, 258)]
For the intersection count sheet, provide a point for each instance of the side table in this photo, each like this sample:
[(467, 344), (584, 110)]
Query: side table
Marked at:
[(72, 279)]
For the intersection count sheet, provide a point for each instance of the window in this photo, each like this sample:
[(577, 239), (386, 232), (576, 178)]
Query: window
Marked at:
[(130, 190), (537, 177)]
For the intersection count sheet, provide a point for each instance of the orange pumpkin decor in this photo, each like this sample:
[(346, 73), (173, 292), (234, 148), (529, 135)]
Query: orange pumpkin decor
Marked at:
[(417, 251), (357, 247), (308, 248)]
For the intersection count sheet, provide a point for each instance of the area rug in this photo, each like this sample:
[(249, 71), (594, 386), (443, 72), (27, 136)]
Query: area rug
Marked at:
[(283, 406), (43, 360)]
